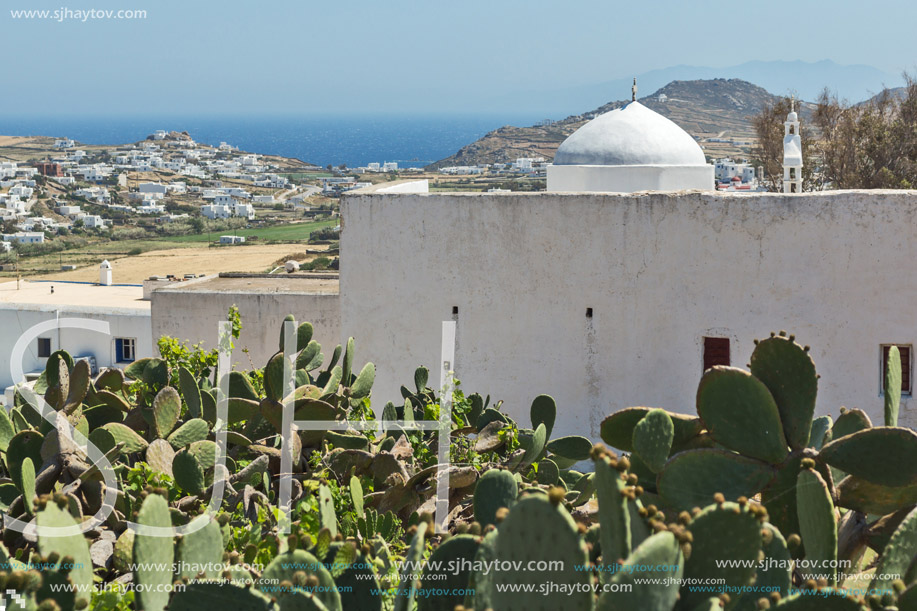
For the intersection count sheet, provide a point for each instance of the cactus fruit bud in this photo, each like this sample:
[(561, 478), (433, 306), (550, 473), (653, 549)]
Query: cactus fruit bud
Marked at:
[(742, 501), (763, 603), (811, 584), (556, 495), (793, 541), (782, 333), (718, 498), (502, 512), (808, 463)]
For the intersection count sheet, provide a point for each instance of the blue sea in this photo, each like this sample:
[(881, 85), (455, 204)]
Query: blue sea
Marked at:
[(412, 141)]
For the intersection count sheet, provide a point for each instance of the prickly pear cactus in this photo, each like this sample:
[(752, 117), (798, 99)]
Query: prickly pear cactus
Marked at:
[(154, 555), (495, 489), (539, 528), (662, 556), (458, 551), (817, 524)]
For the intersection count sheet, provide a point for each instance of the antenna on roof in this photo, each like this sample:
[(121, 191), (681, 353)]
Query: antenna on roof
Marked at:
[(633, 91)]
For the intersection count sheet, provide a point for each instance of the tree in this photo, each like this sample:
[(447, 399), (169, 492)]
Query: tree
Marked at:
[(768, 152), (872, 145), (197, 224)]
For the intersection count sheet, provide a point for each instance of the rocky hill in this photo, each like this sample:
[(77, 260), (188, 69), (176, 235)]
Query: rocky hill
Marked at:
[(703, 108)]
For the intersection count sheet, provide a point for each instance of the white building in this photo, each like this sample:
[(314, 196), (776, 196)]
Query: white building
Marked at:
[(152, 187), (390, 166), (216, 211), (246, 211), (263, 199), (619, 299), (21, 191), (72, 306), (93, 221), (232, 239), (64, 143), (69, 210), (25, 237)]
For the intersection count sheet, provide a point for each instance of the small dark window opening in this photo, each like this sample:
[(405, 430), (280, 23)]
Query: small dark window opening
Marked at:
[(793, 188), (44, 347), (905, 352), (455, 310), (716, 352), (588, 312)]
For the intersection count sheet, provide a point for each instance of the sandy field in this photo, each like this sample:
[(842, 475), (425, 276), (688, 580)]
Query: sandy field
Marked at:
[(180, 261)]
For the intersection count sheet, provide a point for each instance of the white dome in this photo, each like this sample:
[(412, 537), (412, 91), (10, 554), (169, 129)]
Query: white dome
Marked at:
[(105, 265), (792, 117), (631, 135)]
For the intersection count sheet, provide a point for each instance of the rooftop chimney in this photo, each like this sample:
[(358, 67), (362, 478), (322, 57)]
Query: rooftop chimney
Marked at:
[(105, 273)]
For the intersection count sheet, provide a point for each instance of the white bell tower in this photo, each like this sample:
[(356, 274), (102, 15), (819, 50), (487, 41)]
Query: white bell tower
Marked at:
[(792, 152)]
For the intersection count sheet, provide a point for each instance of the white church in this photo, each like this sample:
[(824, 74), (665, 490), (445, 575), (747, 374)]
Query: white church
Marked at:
[(628, 277)]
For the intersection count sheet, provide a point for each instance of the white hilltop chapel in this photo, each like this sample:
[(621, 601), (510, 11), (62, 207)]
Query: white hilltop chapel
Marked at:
[(628, 277)]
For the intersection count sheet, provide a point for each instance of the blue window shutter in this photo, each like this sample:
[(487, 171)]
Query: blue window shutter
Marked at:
[(119, 349)]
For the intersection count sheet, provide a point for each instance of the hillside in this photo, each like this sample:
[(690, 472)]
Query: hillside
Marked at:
[(704, 108)]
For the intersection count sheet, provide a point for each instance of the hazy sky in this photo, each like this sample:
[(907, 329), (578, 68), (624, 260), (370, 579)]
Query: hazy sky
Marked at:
[(194, 56)]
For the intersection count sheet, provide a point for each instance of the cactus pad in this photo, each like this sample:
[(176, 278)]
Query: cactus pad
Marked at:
[(153, 555), (817, 526), (653, 437), (661, 555), (459, 552), (615, 533), (725, 531), (741, 414), (536, 529), (691, 478), (892, 386), (495, 489), (868, 454), (787, 370), (862, 495), (543, 411), (617, 430), (898, 554)]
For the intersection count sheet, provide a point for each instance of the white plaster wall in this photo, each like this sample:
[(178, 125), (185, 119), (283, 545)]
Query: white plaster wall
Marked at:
[(629, 178), (195, 315), (660, 271), (16, 320)]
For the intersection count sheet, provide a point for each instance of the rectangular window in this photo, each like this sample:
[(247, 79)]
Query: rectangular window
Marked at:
[(44, 347), (125, 351), (716, 352), (905, 352)]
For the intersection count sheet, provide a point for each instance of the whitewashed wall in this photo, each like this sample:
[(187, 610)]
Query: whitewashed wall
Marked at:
[(194, 315), (661, 271)]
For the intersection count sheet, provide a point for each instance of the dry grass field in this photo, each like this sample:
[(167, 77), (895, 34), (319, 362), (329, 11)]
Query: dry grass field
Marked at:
[(189, 260)]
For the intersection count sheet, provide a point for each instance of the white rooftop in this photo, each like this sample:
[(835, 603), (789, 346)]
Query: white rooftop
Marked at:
[(631, 135), (72, 296)]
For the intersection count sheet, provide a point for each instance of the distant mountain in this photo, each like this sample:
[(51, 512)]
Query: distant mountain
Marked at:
[(805, 79), (703, 108)]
